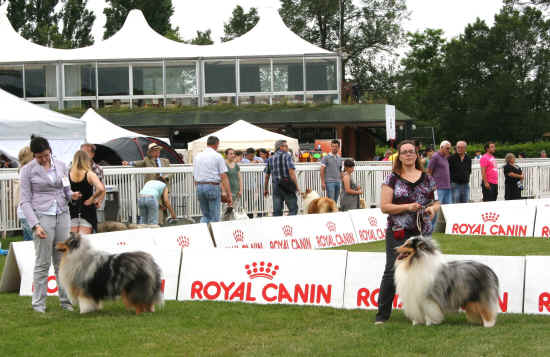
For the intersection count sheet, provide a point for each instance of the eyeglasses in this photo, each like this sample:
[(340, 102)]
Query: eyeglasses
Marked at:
[(407, 152)]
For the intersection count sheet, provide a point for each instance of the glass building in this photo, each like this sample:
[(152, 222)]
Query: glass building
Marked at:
[(137, 67)]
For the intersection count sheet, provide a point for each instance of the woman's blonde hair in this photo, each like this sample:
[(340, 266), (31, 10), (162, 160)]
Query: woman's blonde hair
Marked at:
[(25, 156), (81, 161), (509, 157), (398, 165)]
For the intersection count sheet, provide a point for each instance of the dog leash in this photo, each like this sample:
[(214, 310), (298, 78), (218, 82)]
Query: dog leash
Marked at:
[(420, 215)]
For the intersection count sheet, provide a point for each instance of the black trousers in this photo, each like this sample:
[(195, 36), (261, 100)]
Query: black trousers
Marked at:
[(387, 286), (489, 194)]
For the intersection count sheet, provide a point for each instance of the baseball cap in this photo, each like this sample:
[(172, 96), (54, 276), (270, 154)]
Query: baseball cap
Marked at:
[(154, 146)]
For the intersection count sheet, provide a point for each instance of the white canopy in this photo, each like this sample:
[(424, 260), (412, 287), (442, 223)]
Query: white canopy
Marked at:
[(137, 40), (241, 135), (100, 130), (20, 119)]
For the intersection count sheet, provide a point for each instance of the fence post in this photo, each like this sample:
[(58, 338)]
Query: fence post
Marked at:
[(133, 197)]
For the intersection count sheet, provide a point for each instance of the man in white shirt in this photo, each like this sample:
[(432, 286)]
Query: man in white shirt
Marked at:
[(209, 171)]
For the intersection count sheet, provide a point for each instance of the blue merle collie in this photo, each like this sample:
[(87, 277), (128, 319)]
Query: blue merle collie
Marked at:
[(429, 286), (89, 277)]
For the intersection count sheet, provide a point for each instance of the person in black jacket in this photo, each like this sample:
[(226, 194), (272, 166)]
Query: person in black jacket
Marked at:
[(513, 178), (460, 167)]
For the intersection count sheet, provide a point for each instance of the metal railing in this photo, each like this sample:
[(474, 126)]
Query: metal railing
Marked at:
[(369, 176)]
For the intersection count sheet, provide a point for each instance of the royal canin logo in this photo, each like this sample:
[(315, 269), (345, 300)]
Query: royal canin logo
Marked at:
[(287, 230), (372, 221), (490, 217), (331, 226), (122, 244), (261, 270), (183, 241), (238, 235)]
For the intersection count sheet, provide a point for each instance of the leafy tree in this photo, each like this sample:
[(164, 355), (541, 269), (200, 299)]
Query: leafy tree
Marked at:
[(16, 13), (202, 38), (240, 23), (369, 33), (157, 13), (77, 24)]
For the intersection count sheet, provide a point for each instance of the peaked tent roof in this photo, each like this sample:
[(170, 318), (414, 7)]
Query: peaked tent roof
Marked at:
[(100, 130), (241, 135), (19, 119), (137, 40)]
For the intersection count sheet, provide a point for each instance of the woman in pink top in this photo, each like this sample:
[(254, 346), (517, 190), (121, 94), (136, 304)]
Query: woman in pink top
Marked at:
[(489, 173)]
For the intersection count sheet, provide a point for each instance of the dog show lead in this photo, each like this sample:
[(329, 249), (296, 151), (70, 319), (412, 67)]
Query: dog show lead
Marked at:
[(45, 195), (405, 192)]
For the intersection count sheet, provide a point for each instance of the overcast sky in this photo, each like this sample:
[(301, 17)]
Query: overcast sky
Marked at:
[(192, 15)]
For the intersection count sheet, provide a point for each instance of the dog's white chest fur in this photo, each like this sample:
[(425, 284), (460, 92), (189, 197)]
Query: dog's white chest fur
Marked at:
[(412, 284)]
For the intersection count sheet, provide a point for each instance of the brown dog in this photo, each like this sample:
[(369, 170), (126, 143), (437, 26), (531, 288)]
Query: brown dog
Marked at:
[(313, 203)]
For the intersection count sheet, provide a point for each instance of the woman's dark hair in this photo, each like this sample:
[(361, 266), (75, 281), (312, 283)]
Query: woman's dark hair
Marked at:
[(228, 150), (39, 144), (349, 163), (398, 165)]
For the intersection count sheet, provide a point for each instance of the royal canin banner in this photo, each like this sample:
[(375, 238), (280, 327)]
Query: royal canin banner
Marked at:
[(187, 236), (363, 277), (500, 218), (364, 274), (369, 224), (542, 224), (18, 271), (312, 231), (537, 285), (263, 276)]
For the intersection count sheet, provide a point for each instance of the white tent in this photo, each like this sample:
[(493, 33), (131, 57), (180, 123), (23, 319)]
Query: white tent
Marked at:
[(20, 119), (137, 40), (100, 130), (241, 135)]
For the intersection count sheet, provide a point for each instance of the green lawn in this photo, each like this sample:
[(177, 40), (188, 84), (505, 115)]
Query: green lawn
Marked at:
[(210, 328)]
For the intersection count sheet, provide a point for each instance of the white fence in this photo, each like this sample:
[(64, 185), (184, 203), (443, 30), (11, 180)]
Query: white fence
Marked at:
[(368, 175)]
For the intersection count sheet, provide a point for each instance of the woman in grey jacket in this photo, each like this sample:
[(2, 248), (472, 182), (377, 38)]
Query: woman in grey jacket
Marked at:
[(45, 193)]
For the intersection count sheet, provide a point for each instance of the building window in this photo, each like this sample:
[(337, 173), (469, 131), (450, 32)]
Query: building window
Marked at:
[(11, 79), (219, 77), (288, 75), (253, 99), (321, 74), (181, 78), (80, 80), (255, 76), (322, 98), (113, 79), (147, 78), (40, 81), (79, 104)]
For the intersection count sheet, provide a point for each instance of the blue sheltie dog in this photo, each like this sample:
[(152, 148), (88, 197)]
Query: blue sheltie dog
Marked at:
[(89, 277), (429, 286)]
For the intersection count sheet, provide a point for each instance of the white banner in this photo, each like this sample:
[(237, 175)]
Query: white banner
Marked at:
[(363, 277), (364, 274), (186, 236), (537, 285), (19, 267), (369, 224), (390, 122), (263, 276), (500, 218), (542, 224), (311, 231)]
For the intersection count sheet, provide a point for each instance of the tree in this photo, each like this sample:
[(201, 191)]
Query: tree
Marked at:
[(370, 33), (37, 20), (157, 13), (77, 24), (240, 23), (202, 38)]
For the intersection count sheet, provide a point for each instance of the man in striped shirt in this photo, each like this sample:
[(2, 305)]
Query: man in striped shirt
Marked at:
[(283, 176)]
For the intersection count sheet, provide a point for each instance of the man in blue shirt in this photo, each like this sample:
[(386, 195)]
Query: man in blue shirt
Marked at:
[(283, 172)]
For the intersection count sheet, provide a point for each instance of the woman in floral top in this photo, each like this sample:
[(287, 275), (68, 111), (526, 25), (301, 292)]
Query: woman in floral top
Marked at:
[(405, 194)]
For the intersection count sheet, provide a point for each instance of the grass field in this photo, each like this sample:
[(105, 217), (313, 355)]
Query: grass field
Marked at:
[(210, 328)]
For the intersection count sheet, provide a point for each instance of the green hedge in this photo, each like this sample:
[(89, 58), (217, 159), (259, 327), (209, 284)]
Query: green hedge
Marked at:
[(530, 149)]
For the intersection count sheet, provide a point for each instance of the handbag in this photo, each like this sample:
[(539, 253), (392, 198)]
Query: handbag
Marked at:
[(285, 183)]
